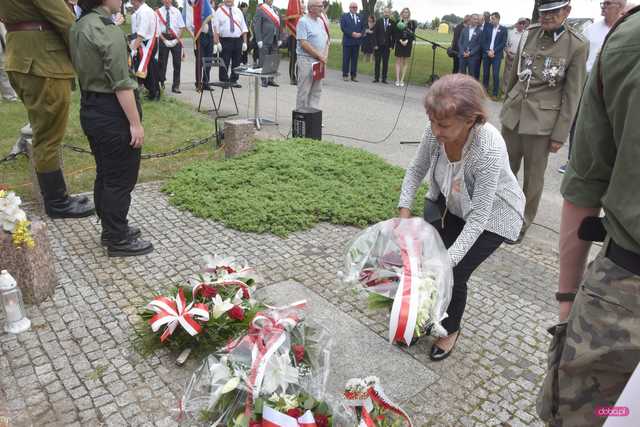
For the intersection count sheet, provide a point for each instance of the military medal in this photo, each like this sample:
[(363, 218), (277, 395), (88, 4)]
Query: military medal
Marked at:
[(553, 71)]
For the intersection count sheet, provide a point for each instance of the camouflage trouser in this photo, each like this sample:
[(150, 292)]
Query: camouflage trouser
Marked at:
[(594, 353)]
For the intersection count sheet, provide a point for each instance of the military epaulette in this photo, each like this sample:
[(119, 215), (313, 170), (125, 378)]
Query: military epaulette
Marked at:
[(106, 21), (576, 33), (533, 26)]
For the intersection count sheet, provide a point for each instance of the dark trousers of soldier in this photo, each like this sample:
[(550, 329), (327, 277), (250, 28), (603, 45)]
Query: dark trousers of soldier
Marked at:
[(293, 58), (152, 81), (266, 49), (47, 103), (117, 163), (206, 44), (231, 56), (534, 150), (381, 58), (484, 246), (163, 60)]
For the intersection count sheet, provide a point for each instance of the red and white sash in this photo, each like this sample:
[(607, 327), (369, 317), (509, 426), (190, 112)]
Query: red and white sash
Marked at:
[(145, 51), (271, 14), (222, 7), (169, 30), (273, 418), (325, 21)]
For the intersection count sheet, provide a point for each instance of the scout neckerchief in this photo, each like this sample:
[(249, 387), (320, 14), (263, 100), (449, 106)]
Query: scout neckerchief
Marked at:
[(270, 14), (169, 30), (224, 10)]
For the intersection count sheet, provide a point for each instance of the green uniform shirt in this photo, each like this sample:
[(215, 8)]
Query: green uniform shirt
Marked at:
[(604, 169), (99, 54), (39, 53)]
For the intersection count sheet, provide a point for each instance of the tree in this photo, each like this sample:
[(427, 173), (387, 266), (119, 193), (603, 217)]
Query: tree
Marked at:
[(452, 19), (369, 7), (435, 23), (381, 5), (335, 11)]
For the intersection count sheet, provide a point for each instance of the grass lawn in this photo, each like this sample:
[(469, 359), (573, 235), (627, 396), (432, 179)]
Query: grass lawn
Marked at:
[(287, 186), (168, 124)]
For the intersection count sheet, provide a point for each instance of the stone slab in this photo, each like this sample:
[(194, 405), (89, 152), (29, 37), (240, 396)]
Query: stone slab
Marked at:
[(357, 350)]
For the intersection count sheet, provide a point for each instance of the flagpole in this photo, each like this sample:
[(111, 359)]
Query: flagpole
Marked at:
[(198, 55)]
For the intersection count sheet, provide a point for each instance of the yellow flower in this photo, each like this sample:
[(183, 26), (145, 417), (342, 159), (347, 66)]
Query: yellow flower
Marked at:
[(22, 235)]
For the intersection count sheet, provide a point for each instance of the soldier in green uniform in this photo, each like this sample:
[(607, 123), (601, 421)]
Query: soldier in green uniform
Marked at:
[(543, 92), (40, 71), (111, 117), (596, 345)]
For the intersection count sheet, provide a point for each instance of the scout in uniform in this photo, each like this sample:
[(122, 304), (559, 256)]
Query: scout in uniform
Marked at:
[(110, 116), (543, 92), (266, 26), (596, 345), (38, 65)]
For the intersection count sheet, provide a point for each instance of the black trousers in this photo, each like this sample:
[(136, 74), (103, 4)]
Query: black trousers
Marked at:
[(231, 57), (176, 58), (381, 56), (486, 244), (293, 58), (456, 64), (117, 163), (206, 44), (152, 81)]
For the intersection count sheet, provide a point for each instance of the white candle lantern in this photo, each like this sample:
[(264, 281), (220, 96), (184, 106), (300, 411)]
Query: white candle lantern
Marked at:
[(12, 303)]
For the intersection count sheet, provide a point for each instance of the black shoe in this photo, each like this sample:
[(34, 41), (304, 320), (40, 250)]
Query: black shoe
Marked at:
[(274, 84), (126, 248), (176, 90), (437, 354), (57, 203), (132, 233), (236, 85), (385, 82), (376, 81)]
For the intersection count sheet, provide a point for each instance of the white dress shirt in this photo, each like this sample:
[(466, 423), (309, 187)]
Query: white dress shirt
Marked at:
[(176, 22), (596, 34), (144, 22), (494, 33), (222, 22), (472, 31)]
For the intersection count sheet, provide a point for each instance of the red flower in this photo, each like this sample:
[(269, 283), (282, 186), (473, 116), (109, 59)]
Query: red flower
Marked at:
[(245, 293), (236, 313), (321, 420), (381, 418), (298, 352), (255, 424), (295, 412), (208, 291)]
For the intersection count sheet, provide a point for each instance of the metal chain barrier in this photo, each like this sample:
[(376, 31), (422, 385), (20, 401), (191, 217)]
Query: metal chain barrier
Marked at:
[(11, 157)]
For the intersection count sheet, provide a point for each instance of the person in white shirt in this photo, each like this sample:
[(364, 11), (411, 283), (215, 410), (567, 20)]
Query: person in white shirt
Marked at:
[(230, 37), (144, 26), (171, 27), (513, 41)]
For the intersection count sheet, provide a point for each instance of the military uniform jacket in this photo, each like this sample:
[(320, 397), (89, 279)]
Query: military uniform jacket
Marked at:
[(544, 88), (40, 53)]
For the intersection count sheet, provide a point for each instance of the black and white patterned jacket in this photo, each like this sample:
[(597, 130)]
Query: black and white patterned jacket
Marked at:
[(493, 199)]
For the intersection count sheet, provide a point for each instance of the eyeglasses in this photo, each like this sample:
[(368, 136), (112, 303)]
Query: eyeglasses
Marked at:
[(353, 7), (606, 4)]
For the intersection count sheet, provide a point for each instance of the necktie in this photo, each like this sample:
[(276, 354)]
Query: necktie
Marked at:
[(386, 24), (231, 23), (168, 20), (354, 18)]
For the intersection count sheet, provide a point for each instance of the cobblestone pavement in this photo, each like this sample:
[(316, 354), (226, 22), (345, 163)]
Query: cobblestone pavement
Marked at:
[(77, 366)]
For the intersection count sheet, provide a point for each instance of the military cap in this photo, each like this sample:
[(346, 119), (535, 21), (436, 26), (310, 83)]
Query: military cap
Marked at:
[(547, 5)]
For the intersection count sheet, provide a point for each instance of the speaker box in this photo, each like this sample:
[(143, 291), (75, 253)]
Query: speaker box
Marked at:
[(306, 123)]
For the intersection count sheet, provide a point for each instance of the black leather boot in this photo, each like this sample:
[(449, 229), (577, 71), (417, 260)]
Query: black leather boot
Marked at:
[(132, 247), (57, 203), (132, 233)]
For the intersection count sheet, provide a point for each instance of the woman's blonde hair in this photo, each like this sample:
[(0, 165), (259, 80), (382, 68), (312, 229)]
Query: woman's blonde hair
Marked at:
[(408, 11), (457, 95)]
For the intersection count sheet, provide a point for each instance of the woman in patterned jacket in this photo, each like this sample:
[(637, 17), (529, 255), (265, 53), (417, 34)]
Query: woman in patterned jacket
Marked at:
[(474, 200)]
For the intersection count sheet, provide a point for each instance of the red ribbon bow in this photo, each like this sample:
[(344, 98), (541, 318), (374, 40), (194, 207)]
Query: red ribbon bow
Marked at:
[(173, 312)]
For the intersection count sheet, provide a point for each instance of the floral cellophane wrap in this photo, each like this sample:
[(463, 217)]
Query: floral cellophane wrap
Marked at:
[(280, 359), (404, 260)]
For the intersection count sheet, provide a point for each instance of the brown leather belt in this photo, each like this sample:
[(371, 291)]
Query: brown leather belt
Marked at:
[(29, 26)]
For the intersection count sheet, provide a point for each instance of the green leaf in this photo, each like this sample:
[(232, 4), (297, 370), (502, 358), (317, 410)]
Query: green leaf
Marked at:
[(309, 403)]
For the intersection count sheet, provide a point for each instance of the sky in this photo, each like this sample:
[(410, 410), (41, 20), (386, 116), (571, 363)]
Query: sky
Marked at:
[(510, 10)]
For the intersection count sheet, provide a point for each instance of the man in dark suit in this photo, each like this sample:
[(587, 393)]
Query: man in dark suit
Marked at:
[(493, 44), (383, 41), (352, 29), (452, 52), (470, 48)]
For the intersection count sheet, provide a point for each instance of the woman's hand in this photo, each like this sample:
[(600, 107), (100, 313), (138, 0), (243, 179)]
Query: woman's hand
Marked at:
[(404, 213), (137, 136)]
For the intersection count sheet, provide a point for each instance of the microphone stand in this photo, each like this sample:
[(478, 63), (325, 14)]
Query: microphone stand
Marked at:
[(434, 76)]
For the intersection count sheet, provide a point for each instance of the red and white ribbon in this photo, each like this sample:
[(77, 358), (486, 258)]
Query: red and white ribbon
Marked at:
[(271, 14), (173, 312), (404, 312), (273, 418), (380, 398)]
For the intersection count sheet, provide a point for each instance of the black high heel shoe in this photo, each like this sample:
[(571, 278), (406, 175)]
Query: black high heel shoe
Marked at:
[(437, 354)]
